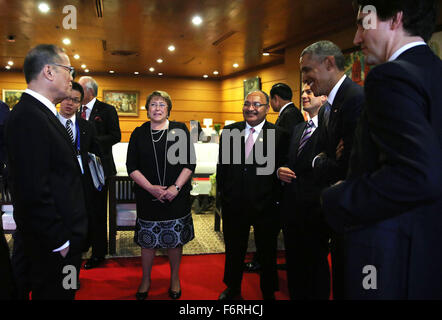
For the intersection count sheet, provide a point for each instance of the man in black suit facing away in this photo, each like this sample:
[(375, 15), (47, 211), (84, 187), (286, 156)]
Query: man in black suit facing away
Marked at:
[(104, 118), (49, 207), (84, 139), (249, 190), (322, 67), (390, 206), (305, 233), (281, 101)]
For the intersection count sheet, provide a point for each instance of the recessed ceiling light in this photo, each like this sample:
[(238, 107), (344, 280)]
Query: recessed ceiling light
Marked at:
[(160, 73), (43, 7), (235, 65), (215, 72), (196, 20), (8, 67), (265, 54), (66, 41), (136, 72), (10, 62), (86, 70), (160, 60), (151, 69), (171, 48), (205, 76), (111, 71), (83, 66), (77, 56)]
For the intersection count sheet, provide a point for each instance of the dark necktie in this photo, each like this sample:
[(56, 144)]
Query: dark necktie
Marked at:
[(306, 135), (69, 130), (327, 110), (83, 112)]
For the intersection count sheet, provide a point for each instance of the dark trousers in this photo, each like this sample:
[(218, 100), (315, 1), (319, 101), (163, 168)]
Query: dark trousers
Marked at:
[(43, 272), (236, 235), (97, 231), (337, 261), (306, 250)]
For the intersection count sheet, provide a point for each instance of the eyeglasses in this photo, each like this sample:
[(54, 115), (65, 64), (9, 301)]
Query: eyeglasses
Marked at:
[(74, 100), (160, 105), (70, 69), (255, 105)]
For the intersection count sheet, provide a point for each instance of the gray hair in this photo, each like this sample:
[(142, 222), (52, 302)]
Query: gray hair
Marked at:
[(91, 84), (265, 95), (322, 49)]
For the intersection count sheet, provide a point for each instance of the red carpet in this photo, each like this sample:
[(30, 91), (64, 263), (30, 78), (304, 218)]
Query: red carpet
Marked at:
[(201, 279)]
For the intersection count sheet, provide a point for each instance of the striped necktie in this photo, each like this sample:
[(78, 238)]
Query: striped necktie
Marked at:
[(69, 130), (306, 135)]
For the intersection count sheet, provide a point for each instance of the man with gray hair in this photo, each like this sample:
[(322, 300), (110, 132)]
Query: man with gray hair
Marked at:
[(104, 118), (322, 67), (45, 178)]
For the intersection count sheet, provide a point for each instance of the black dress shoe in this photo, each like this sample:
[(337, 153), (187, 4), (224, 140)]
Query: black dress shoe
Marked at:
[(268, 296), (174, 294), (230, 294), (252, 266), (93, 262), (141, 295)]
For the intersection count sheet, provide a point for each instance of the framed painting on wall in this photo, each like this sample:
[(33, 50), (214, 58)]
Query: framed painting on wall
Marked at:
[(125, 102), (11, 96), (355, 66), (251, 84)]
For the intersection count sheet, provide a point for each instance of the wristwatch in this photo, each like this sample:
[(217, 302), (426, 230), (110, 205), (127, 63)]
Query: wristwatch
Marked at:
[(177, 188)]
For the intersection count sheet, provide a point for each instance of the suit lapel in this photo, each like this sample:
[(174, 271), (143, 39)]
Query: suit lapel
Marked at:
[(56, 123), (94, 111)]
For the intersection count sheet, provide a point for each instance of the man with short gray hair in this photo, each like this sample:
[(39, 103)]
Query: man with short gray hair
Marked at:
[(322, 67), (45, 178), (104, 118)]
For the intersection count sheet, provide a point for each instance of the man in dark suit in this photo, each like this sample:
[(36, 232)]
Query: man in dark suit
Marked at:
[(322, 67), (390, 206), (48, 200), (104, 118), (305, 233), (289, 116), (281, 101), (249, 190), (84, 139)]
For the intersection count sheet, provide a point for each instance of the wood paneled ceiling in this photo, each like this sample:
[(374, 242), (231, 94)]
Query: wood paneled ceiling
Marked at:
[(132, 34)]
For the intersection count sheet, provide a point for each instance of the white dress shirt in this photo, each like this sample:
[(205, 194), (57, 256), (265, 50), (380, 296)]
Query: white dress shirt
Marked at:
[(257, 128), (90, 106), (405, 48), (63, 121)]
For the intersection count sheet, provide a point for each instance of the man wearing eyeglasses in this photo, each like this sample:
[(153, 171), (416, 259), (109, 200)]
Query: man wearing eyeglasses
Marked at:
[(104, 118), (84, 140), (249, 196), (45, 176)]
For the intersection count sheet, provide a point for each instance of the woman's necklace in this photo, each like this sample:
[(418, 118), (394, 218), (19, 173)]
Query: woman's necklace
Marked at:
[(162, 182), (162, 133)]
